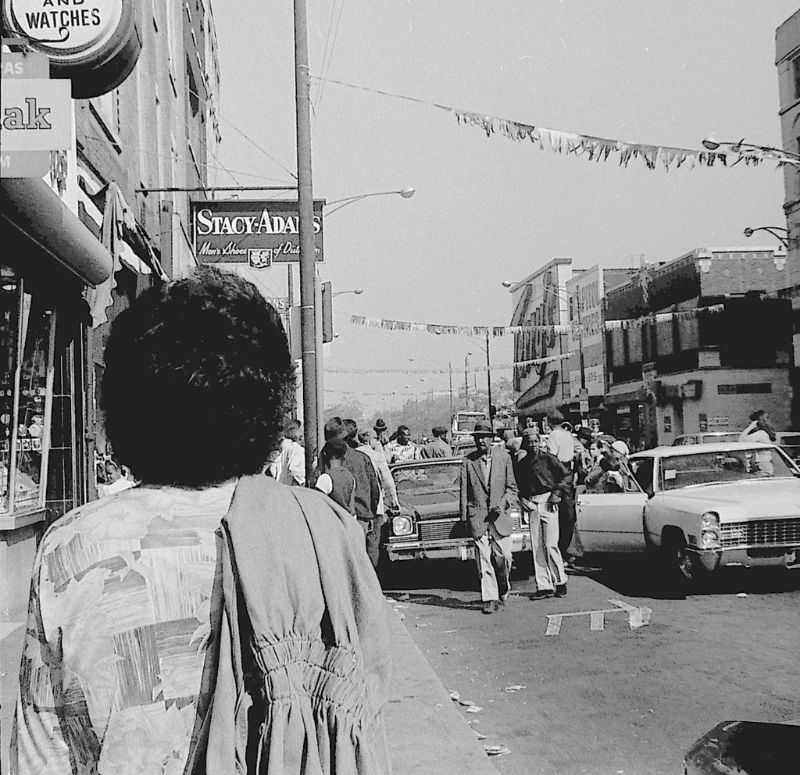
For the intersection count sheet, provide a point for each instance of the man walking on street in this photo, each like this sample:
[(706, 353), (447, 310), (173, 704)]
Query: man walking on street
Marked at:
[(542, 482), (439, 446), (367, 492), (561, 443), (289, 465), (402, 448), (382, 434), (488, 493), (371, 447)]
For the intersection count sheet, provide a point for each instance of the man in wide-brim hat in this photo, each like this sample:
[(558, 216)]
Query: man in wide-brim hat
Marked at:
[(382, 433), (488, 494)]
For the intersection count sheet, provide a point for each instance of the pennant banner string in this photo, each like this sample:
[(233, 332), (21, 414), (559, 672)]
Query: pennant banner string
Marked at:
[(499, 331), (662, 317), (494, 367), (591, 147)]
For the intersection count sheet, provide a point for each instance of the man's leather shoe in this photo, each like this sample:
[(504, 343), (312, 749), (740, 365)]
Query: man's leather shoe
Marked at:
[(542, 594), (490, 606), (561, 590)]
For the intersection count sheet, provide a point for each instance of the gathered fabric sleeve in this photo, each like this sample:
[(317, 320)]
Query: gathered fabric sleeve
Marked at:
[(304, 660)]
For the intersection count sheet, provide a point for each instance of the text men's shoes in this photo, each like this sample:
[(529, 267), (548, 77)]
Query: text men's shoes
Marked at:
[(490, 606), (561, 590), (542, 594)]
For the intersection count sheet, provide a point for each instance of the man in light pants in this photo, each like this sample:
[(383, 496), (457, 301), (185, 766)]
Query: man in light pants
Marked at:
[(488, 493), (542, 481)]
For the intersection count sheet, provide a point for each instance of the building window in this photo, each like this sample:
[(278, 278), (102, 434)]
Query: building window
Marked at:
[(27, 344), (796, 74), (751, 387)]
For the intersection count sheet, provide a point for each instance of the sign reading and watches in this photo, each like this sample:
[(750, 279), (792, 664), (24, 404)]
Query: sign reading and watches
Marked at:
[(94, 43), (35, 116), (258, 233)]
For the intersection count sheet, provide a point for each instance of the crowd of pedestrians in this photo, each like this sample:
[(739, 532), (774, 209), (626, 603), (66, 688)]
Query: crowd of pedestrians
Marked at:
[(538, 476)]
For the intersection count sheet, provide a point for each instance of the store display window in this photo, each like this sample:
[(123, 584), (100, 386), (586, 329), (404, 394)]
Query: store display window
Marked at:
[(27, 345)]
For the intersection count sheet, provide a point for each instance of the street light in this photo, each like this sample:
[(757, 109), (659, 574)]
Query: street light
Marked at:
[(406, 193), (356, 291), (780, 234), (711, 143)]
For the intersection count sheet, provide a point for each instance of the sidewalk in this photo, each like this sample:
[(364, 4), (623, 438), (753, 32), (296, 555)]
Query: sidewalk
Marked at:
[(427, 735)]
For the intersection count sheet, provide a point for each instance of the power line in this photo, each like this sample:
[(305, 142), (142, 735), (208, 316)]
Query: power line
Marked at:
[(327, 56), (248, 138), (183, 158)]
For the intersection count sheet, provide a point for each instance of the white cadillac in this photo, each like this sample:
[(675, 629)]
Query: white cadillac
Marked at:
[(700, 508)]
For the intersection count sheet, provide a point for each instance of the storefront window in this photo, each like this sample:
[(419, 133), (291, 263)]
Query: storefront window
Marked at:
[(27, 339)]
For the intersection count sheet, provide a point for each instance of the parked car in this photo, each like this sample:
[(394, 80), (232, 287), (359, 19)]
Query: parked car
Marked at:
[(701, 508), (463, 446), (789, 442), (429, 524), (705, 438)]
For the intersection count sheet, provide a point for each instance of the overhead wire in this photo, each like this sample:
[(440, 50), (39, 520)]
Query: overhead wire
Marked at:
[(184, 158), (327, 54), (248, 138)]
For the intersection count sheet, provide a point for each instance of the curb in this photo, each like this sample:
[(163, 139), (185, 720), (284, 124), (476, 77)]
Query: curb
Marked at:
[(426, 734)]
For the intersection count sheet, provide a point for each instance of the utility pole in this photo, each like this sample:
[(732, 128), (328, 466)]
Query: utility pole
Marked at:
[(450, 372), (584, 402), (466, 381), (305, 195), (489, 378)]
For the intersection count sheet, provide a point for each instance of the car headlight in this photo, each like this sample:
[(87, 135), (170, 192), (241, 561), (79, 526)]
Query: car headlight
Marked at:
[(709, 531), (402, 525)]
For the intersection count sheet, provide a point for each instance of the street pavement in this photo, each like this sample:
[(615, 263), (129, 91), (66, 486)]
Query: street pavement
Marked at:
[(597, 696)]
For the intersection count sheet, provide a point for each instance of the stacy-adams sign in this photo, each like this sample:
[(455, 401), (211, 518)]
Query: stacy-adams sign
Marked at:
[(259, 233)]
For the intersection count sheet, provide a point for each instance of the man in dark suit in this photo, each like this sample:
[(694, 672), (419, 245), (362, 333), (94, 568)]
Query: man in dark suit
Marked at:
[(367, 490), (488, 492)]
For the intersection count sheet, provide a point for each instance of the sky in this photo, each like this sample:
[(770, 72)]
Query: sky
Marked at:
[(487, 209)]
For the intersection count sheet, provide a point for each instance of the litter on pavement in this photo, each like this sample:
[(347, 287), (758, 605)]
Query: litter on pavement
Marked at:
[(496, 750), (514, 688)]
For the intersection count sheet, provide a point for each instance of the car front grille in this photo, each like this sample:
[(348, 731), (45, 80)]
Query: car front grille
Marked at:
[(452, 528), (442, 529), (762, 532)]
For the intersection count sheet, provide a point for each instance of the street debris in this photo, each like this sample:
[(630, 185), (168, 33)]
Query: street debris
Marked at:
[(514, 688), (404, 596), (496, 750), (473, 709), (742, 594), (455, 696), (479, 734)]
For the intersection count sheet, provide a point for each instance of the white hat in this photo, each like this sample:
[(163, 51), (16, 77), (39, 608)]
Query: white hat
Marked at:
[(621, 447)]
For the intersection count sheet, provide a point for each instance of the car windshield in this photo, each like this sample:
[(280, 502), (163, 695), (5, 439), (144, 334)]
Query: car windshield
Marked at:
[(465, 423), (738, 465), (789, 439), (430, 477)]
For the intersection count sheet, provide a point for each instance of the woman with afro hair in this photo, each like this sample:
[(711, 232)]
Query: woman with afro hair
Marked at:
[(209, 619)]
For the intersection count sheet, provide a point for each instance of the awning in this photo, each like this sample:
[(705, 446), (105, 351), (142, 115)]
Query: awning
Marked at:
[(29, 206), (625, 393)]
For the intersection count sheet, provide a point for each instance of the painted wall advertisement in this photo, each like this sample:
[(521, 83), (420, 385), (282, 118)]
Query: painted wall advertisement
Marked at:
[(258, 233), (586, 319)]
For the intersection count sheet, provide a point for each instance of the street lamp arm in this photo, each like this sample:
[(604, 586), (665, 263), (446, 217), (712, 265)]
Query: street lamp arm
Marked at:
[(780, 234), (406, 193)]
